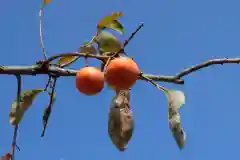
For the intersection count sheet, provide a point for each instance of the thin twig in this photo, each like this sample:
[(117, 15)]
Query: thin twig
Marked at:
[(49, 108), (41, 32), (75, 54), (153, 83), (106, 64), (86, 61), (42, 41), (207, 64), (19, 86), (133, 34), (48, 83), (128, 40), (14, 141)]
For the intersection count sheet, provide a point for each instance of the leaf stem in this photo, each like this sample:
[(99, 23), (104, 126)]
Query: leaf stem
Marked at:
[(48, 83)]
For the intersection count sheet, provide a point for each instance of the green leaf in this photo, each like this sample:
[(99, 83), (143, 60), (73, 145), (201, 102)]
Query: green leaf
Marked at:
[(26, 100), (89, 49), (116, 26), (67, 59), (109, 19), (108, 42)]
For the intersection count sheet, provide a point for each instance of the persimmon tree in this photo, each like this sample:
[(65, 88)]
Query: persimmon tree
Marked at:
[(116, 69)]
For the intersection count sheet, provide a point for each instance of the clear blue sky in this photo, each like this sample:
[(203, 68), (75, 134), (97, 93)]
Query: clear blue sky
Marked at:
[(177, 34)]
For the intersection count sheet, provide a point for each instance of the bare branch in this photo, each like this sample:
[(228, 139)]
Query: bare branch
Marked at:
[(169, 79), (54, 70), (57, 71), (133, 34), (207, 64), (153, 83), (19, 86), (126, 42)]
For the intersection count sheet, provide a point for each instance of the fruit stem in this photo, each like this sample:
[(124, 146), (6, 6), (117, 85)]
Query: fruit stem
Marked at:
[(86, 61)]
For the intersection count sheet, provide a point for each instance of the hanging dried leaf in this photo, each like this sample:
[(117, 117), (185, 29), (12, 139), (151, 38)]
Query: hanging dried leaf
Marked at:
[(108, 42), (47, 110), (26, 100), (175, 99), (109, 19), (176, 128), (120, 123), (7, 156)]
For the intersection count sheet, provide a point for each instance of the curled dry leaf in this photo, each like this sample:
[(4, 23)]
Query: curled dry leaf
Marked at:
[(176, 127), (108, 42), (175, 100), (47, 110), (26, 100), (120, 123), (88, 49), (7, 156), (107, 20)]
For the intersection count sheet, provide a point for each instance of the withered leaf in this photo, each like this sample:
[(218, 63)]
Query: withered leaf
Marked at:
[(26, 100), (120, 123)]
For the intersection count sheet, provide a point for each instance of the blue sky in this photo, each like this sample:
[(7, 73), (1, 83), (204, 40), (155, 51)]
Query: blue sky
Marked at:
[(177, 34)]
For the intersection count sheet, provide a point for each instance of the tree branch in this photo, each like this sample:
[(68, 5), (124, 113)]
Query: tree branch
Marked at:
[(54, 70), (14, 141), (57, 71), (207, 64)]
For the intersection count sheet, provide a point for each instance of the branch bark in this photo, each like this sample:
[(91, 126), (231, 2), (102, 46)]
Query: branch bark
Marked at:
[(207, 64), (61, 72), (54, 70)]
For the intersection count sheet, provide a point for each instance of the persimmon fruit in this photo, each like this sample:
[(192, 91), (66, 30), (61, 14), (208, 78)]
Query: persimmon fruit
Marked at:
[(121, 73), (89, 81)]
